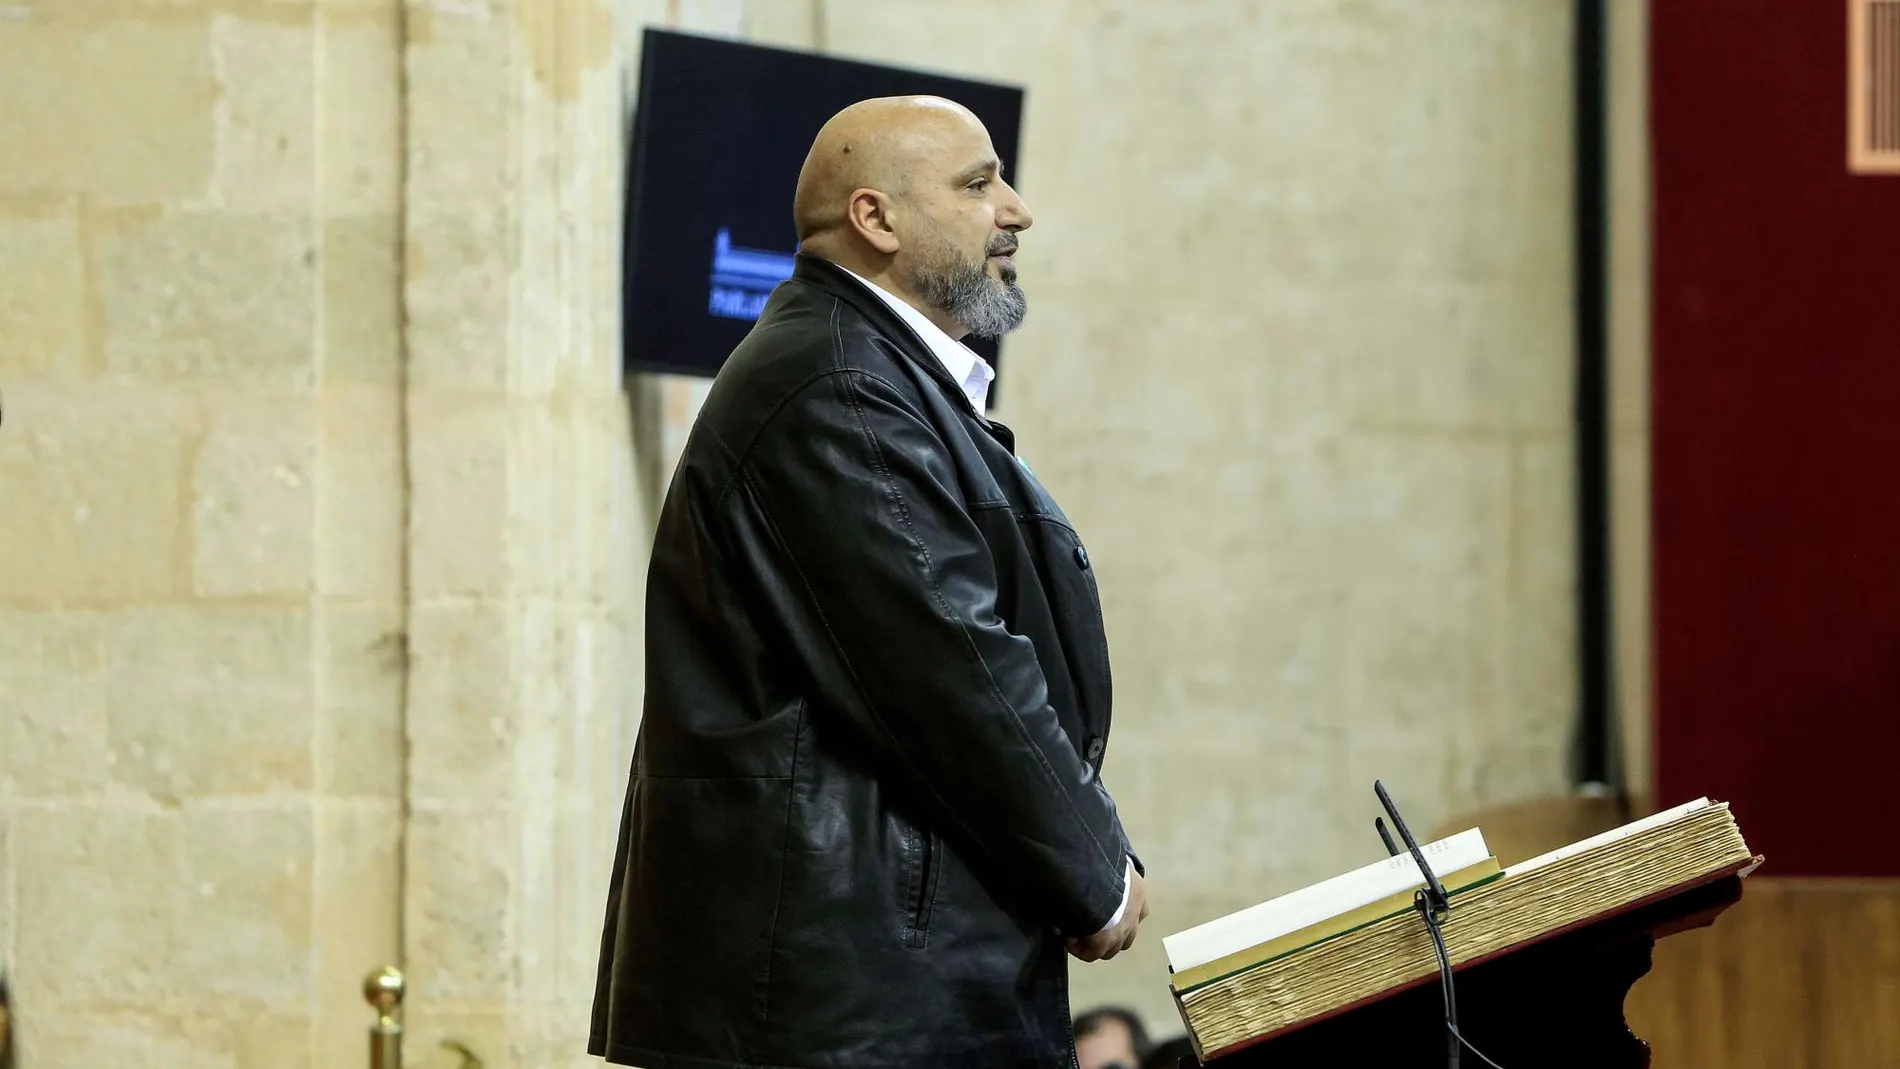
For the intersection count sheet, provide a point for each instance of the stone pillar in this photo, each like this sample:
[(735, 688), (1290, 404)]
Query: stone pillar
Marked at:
[(1629, 391), (525, 536)]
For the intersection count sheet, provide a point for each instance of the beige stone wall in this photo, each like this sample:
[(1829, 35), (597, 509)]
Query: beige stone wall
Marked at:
[(320, 506)]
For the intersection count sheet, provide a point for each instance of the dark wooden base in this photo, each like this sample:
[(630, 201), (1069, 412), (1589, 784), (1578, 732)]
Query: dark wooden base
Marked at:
[(1552, 1005)]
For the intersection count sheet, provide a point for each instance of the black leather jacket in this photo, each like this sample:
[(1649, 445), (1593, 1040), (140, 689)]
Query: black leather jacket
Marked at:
[(865, 796)]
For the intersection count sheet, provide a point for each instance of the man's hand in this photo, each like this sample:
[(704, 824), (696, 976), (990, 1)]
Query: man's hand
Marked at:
[(1112, 941)]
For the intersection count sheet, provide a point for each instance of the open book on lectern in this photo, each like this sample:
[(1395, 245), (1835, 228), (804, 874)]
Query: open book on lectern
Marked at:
[(1320, 950), (1326, 909)]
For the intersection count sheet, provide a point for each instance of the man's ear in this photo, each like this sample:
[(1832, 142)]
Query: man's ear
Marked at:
[(870, 215)]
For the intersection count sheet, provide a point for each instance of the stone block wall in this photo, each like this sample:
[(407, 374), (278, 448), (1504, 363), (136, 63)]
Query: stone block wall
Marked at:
[(201, 529)]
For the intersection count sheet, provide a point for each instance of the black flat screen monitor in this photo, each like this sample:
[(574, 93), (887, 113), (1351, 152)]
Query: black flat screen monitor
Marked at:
[(720, 131)]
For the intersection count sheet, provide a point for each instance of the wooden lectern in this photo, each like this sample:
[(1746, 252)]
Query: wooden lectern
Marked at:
[(1550, 1003)]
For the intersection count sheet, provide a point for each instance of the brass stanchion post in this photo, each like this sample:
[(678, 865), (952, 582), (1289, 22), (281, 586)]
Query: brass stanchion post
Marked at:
[(383, 990), (6, 1026)]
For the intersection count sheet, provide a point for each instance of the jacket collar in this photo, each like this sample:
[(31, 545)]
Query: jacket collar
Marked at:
[(837, 282), (968, 369)]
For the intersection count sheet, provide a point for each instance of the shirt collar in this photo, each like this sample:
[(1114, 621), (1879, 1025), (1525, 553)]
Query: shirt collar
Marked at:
[(970, 371)]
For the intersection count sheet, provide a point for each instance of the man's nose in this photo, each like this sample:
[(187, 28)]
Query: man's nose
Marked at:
[(1013, 215)]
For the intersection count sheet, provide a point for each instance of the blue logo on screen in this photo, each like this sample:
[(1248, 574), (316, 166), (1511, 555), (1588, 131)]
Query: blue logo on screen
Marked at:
[(742, 279)]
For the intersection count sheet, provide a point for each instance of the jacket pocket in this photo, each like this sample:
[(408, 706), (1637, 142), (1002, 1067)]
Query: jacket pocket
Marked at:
[(922, 867)]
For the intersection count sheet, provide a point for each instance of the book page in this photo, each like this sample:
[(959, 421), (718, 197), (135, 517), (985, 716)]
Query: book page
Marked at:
[(1654, 820), (1309, 905)]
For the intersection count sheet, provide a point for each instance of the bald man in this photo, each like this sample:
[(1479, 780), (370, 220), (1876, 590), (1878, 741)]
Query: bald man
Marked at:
[(866, 824)]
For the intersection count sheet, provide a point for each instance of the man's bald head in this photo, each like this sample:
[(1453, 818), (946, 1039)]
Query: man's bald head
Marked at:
[(908, 193), (879, 144)]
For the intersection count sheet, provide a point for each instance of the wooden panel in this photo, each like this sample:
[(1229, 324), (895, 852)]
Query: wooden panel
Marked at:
[(1873, 86), (1798, 973)]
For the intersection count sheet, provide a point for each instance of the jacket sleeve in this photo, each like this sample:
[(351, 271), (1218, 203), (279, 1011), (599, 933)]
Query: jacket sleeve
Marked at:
[(1128, 848), (862, 499)]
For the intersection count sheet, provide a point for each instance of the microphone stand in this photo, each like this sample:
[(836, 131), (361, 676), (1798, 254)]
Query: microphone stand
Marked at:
[(1434, 905)]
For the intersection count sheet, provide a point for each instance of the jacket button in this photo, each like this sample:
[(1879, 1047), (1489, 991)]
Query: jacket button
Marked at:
[(1096, 746), (1082, 556)]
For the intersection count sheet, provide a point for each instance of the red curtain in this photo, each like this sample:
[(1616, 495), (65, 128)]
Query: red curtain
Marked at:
[(1776, 422)]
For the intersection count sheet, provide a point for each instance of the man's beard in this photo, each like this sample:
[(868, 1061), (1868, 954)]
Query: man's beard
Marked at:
[(965, 292)]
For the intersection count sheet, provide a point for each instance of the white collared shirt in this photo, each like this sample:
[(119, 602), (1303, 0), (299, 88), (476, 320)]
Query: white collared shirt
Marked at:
[(971, 371), (975, 375)]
